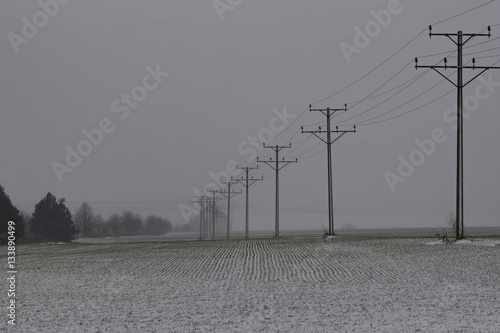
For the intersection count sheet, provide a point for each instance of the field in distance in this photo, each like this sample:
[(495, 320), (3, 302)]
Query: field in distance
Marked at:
[(395, 232), (355, 283)]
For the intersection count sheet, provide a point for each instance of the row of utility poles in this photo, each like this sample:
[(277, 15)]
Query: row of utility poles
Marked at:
[(207, 228), (211, 216), (276, 164)]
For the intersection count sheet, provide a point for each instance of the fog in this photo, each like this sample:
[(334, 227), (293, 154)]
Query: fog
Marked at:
[(154, 96)]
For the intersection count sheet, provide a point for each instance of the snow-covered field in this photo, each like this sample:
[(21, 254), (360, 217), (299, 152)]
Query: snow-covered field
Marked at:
[(296, 284)]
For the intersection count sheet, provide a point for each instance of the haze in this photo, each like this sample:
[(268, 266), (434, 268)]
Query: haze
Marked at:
[(225, 79)]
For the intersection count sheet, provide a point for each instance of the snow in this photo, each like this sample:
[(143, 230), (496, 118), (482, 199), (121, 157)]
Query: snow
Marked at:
[(351, 284), (477, 242), (330, 237)]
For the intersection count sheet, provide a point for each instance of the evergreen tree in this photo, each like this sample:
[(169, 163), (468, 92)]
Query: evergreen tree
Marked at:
[(52, 220), (8, 212)]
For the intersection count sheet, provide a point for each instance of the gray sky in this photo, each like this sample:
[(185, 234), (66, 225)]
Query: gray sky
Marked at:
[(228, 71)]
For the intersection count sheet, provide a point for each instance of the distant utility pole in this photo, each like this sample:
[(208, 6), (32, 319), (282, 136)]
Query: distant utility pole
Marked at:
[(459, 217), (208, 218), (217, 220), (247, 182), (213, 201), (229, 194), (277, 168), (203, 222), (220, 216), (328, 113)]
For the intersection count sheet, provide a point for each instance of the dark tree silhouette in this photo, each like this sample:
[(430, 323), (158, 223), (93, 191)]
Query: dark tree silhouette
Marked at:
[(52, 220), (114, 225), (156, 225), (8, 212), (99, 225), (131, 223)]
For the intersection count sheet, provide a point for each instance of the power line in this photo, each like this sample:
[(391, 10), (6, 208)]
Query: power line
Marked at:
[(300, 145), (385, 61), (373, 70), (490, 56), (312, 155), (384, 101), (307, 151), (407, 102), (371, 97), (398, 51), (467, 11), (410, 82), (414, 78), (403, 114), (289, 126), (398, 107), (368, 121)]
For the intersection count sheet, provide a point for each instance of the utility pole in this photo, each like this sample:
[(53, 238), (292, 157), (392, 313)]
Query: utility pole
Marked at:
[(203, 222), (328, 112), (247, 182), (217, 220), (221, 220), (208, 221), (229, 194), (277, 168), (459, 42), (214, 200)]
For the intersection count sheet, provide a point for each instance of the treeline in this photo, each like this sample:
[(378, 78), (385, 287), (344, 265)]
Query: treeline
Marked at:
[(127, 223), (52, 221)]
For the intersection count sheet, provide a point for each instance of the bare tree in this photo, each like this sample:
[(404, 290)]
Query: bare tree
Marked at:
[(132, 223), (26, 218), (84, 219), (99, 225), (115, 224), (452, 223), (443, 235)]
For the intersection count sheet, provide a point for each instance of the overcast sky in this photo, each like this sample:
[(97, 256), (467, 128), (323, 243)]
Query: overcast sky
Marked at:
[(229, 65)]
